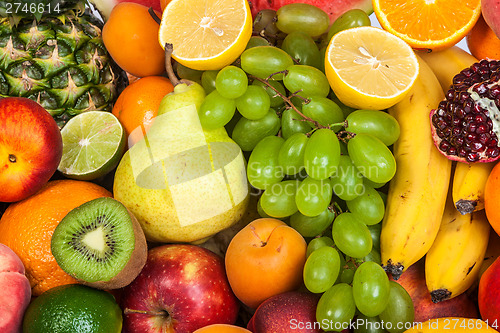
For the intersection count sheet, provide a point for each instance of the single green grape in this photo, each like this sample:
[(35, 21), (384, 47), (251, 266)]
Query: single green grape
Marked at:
[(254, 103), (368, 182), (347, 110), (275, 99), (322, 154), (187, 73), (369, 325), (347, 271), (261, 211), (301, 47), (375, 230), (377, 123), (374, 256), (336, 308), (231, 82), (400, 312), (216, 111), (263, 61), (372, 157), (368, 207), (256, 41), (321, 269), (347, 182), (278, 200), (303, 17), (208, 80), (351, 236), (371, 289), (350, 19), (311, 226), (291, 123), (247, 133), (306, 81), (263, 168), (291, 155), (318, 242), (313, 196), (324, 111)]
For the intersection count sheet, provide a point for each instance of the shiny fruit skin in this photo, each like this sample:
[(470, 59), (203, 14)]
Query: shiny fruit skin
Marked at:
[(30, 148), (131, 38), (262, 244)]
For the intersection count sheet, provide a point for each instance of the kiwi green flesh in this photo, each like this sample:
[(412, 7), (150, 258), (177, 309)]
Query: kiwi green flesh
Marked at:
[(99, 242)]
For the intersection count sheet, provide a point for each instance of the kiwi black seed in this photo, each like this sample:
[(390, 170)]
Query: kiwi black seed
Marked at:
[(101, 244)]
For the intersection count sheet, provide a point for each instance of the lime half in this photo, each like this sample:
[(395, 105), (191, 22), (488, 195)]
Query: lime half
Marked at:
[(93, 143)]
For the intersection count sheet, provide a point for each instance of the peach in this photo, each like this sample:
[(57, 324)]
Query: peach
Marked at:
[(16, 291), (491, 14), (264, 259), (222, 328), (30, 148)]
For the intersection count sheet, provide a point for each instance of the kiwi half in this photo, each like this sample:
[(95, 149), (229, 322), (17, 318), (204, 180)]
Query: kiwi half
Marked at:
[(101, 244)]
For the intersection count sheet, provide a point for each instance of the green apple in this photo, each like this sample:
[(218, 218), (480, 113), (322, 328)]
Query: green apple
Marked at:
[(182, 183)]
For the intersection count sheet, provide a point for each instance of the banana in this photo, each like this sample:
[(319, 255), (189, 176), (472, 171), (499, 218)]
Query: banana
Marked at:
[(418, 191), (470, 179), (468, 185), (455, 258)]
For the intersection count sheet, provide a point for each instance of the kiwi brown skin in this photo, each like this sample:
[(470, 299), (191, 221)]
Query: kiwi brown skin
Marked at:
[(133, 266)]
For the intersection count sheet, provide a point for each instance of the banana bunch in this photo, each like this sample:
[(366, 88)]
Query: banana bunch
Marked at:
[(417, 193), (455, 258), (470, 179)]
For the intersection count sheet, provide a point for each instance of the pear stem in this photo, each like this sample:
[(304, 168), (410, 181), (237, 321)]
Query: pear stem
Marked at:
[(169, 48)]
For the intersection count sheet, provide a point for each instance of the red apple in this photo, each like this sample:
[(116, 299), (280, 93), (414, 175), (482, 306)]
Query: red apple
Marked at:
[(106, 6), (413, 280), (491, 14), (180, 289), (489, 293), (293, 311), (30, 148), (16, 291)]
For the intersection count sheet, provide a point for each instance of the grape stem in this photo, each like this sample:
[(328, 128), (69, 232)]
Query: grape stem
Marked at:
[(287, 99)]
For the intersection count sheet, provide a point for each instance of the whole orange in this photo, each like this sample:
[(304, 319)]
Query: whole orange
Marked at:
[(492, 198), (27, 227), (222, 328), (138, 104), (131, 38), (482, 41), (264, 259)]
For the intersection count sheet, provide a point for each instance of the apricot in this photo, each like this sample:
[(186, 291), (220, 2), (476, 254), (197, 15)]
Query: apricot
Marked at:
[(264, 259), (131, 38), (222, 328)]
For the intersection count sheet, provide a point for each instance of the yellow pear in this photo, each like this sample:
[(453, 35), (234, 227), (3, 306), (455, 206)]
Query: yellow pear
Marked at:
[(182, 183)]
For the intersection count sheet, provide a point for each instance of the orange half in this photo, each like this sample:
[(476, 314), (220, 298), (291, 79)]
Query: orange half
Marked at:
[(428, 24)]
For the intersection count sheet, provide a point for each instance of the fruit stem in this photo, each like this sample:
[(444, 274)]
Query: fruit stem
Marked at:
[(153, 15), (12, 158), (162, 313), (286, 99), (345, 136), (169, 48)]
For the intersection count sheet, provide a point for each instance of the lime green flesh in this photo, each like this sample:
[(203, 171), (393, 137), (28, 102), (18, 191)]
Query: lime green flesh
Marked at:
[(93, 143), (73, 308), (94, 241)]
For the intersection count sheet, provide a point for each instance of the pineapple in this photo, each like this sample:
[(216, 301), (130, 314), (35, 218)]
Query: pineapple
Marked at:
[(57, 59)]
